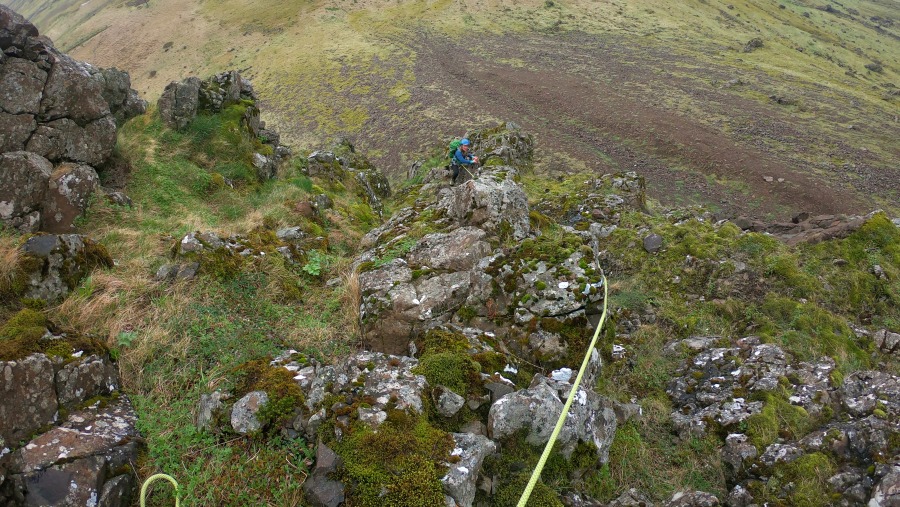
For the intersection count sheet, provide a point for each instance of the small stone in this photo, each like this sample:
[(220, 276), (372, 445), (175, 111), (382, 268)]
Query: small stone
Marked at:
[(166, 272), (768, 179), (653, 243), (447, 403), (498, 390)]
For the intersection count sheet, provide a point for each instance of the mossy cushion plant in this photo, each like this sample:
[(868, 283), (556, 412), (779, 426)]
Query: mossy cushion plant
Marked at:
[(25, 334)]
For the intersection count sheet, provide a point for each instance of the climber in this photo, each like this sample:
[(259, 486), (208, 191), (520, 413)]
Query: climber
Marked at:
[(461, 158)]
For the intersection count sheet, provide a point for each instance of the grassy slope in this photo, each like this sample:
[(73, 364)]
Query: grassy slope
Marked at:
[(176, 342), (350, 66)]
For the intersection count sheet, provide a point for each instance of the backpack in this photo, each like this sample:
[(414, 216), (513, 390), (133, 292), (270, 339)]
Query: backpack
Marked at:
[(454, 145)]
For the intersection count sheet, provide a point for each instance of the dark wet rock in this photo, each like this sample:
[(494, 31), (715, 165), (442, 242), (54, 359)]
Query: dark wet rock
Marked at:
[(124, 103), (65, 140), (461, 478), (320, 489), (653, 243), (59, 262), (52, 456), (63, 111), (15, 130)]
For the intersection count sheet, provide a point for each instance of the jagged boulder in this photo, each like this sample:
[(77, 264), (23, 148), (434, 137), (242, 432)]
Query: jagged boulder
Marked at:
[(493, 202), (591, 420), (52, 265), (177, 105), (506, 142), (124, 102), (460, 481), (59, 109)]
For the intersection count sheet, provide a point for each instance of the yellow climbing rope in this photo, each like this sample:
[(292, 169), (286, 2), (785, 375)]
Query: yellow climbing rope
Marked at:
[(154, 478), (565, 411)]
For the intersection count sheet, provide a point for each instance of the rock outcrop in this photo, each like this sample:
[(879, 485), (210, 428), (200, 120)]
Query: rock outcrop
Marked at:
[(182, 101), (50, 266), (87, 455), (58, 122)]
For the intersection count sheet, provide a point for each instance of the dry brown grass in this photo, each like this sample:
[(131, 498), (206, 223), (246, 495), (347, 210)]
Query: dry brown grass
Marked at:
[(9, 259)]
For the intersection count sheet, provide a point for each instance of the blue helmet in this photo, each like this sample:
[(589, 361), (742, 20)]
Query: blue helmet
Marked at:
[(464, 142)]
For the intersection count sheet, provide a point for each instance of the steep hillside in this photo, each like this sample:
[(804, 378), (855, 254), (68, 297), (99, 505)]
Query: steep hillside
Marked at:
[(676, 91)]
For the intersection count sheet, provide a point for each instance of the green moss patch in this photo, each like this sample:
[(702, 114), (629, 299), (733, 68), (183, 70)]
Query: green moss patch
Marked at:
[(778, 418), (278, 383), (808, 477), (399, 465), (450, 369), (23, 335)]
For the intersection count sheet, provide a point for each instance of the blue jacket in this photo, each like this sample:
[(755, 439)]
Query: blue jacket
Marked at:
[(461, 158)]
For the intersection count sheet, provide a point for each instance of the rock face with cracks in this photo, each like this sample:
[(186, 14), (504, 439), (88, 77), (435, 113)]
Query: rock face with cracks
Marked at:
[(67, 437), (58, 120)]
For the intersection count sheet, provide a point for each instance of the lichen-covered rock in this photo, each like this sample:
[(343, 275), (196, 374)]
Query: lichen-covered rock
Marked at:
[(591, 418), (446, 402), (461, 478), (124, 102), (382, 379), (715, 384), (222, 88), (243, 414), (83, 461), (692, 499), (27, 397), (80, 380), (507, 142), (55, 264), (887, 341), (887, 492), (178, 103), (25, 176), (64, 139), (493, 201), (376, 187), (68, 195), (209, 406)]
